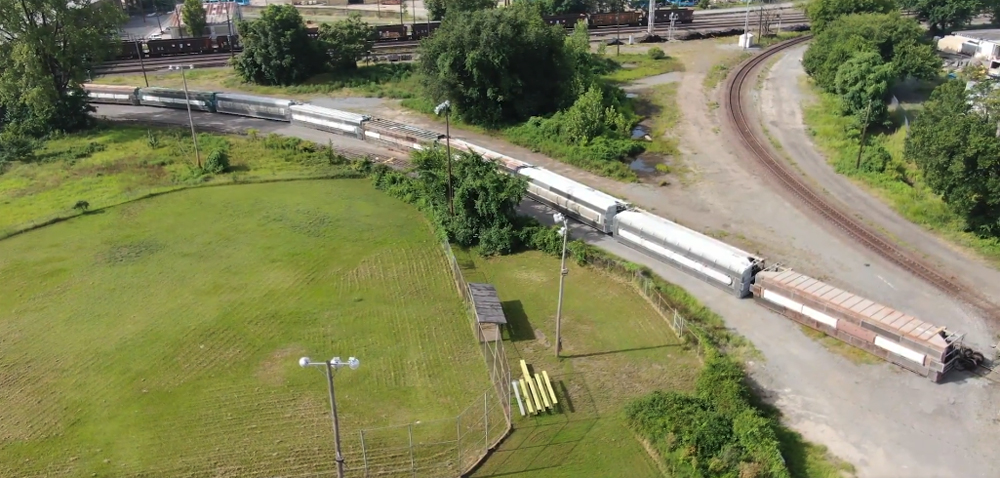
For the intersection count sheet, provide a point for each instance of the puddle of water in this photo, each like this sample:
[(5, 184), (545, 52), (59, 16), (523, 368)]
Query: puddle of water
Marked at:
[(631, 95), (639, 132), (641, 166)]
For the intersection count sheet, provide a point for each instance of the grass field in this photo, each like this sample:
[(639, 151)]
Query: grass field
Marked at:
[(615, 348), (161, 338), (123, 165)]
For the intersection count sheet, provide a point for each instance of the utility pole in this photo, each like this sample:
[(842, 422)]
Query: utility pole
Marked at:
[(618, 30), (141, 63), (652, 16), (187, 100), (864, 133), (746, 27), (402, 3), (229, 23), (673, 20), (446, 109), (330, 367), (562, 279)]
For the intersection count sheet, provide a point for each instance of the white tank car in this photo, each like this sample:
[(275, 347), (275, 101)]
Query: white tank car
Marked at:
[(574, 199), (710, 259)]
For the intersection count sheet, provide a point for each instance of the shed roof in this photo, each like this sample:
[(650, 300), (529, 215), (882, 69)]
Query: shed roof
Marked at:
[(487, 304)]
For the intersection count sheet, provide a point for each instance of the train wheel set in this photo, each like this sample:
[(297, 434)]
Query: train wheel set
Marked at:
[(895, 336)]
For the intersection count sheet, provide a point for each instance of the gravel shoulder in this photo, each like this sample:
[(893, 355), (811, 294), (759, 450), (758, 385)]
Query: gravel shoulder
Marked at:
[(887, 422)]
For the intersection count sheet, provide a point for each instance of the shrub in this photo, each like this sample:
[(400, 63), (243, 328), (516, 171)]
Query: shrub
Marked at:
[(656, 53), (217, 162)]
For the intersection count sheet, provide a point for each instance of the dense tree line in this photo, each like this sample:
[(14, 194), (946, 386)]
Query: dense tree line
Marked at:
[(278, 51), (954, 141), (47, 48)]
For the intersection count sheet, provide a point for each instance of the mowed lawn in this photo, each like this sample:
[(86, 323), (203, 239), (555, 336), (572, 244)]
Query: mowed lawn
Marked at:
[(161, 338), (616, 347)]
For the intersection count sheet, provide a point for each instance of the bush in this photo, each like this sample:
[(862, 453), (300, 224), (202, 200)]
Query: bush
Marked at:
[(716, 432), (656, 53), (217, 162)]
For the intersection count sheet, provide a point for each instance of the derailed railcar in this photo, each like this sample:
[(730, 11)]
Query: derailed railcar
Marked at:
[(710, 259), (329, 120), (398, 135), (508, 163), (576, 200), (254, 106), (174, 98), (895, 336), (112, 94)]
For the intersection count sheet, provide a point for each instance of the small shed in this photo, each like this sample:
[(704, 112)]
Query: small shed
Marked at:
[(489, 313)]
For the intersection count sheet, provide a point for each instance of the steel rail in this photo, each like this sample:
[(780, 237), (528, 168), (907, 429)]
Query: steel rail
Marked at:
[(736, 115)]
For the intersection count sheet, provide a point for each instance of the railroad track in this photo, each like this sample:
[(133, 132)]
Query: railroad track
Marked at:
[(736, 115), (208, 60)]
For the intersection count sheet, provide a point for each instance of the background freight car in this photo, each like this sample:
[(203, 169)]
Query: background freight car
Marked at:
[(568, 20), (329, 120), (598, 20), (424, 30), (662, 17), (390, 32), (254, 106), (171, 98)]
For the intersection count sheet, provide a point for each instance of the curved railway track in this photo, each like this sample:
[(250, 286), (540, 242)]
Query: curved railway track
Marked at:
[(736, 115)]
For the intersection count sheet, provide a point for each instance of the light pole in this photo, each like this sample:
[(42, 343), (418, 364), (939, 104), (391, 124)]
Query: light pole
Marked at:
[(187, 101), (446, 109), (564, 232), (330, 366), (673, 20)]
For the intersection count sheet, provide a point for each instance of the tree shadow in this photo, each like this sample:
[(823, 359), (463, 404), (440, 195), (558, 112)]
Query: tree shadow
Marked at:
[(518, 326)]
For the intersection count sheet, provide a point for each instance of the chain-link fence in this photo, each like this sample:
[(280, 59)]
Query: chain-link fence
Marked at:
[(448, 447), (685, 330)]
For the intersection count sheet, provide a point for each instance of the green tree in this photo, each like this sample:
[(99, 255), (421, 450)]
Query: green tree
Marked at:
[(498, 66), (899, 41), (591, 116), (194, 17), (945, 15), (956, 148), (439, 8), (822, 12), (277, 49), (346, 42), (485, 199), (47, 48), (863, 84), (563, 7)]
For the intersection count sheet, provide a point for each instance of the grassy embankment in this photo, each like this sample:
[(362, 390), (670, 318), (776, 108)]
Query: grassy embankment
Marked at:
[(902, 186)]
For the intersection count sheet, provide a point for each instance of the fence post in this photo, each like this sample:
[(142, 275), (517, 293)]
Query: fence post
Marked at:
[(486, 416), (413, 464), (458, 441), (364, 453)]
